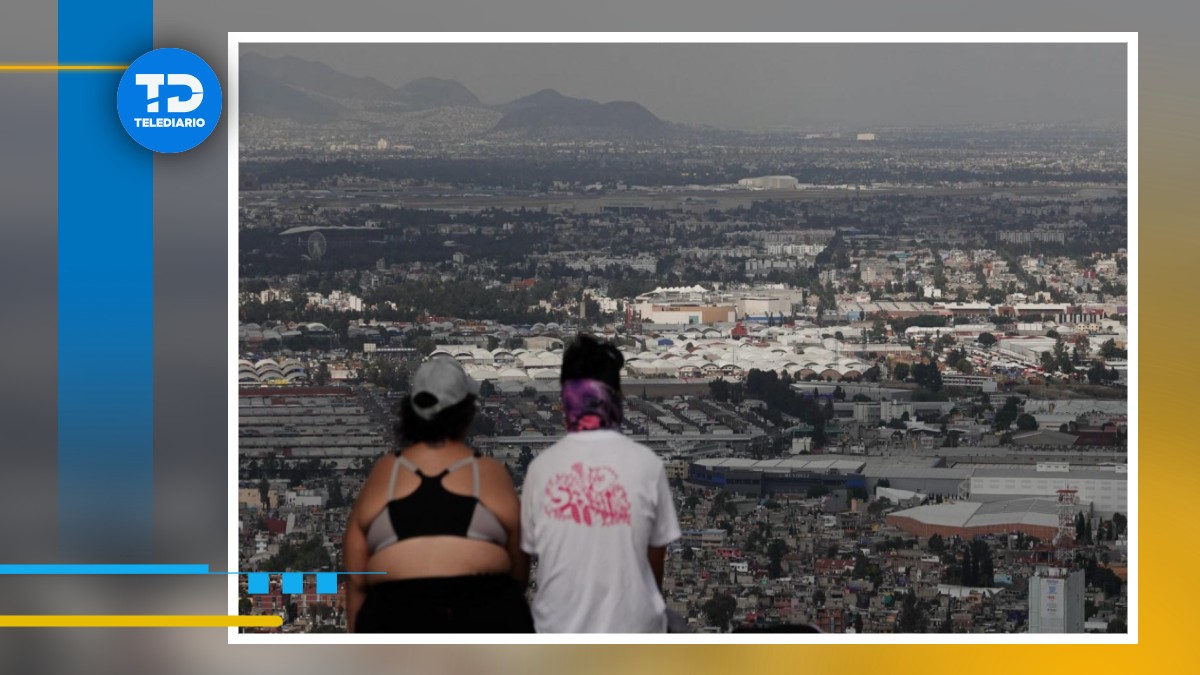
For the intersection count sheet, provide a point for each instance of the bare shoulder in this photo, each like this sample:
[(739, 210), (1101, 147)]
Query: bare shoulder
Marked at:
[(382, 470), (493, 470), (375, 486)]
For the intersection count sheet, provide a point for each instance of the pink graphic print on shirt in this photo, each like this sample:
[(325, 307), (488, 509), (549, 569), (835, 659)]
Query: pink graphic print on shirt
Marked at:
[(586, 495)]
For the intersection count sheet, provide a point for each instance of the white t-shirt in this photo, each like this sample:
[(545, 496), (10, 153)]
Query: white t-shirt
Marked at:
[(591, 506)]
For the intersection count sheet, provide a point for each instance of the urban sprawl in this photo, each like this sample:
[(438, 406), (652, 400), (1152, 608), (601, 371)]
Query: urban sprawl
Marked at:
[(886, 371)]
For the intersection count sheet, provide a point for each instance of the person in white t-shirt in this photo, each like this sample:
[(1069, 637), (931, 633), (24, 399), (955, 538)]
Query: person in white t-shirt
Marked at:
[(596, 510)]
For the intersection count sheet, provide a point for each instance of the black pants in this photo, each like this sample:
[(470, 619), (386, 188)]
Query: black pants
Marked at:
[(491, 603)]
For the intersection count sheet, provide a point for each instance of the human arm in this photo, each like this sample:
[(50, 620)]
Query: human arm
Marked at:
[(355, 552), (504, 502), (354, 557), (658, 558)]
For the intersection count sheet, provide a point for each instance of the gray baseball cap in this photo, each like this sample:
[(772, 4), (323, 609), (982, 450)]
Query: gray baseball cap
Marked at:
[(443, 379)]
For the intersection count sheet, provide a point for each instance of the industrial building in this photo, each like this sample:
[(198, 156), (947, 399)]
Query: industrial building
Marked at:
[(770, 183), (928, 476), (776, 476), (1102, 489), (302, 423), (1034, 517)]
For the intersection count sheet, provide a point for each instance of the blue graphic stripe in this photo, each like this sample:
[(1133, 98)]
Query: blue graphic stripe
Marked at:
[(258, 583), (105, 266), (293, 582), (103, 569), (327, 584)]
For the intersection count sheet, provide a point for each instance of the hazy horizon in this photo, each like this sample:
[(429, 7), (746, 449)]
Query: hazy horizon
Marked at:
[(779, 85)]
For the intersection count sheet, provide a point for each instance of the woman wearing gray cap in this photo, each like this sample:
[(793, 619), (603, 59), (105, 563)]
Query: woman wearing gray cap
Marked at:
[(440, 521)]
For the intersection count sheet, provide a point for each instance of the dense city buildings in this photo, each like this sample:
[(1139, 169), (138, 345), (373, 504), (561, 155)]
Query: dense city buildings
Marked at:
[(886, 370)]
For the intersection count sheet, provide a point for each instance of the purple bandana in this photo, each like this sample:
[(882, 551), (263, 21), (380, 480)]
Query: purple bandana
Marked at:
[(590, 405)]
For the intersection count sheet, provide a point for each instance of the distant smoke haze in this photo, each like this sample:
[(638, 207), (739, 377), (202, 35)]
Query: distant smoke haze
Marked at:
[(764, 86)]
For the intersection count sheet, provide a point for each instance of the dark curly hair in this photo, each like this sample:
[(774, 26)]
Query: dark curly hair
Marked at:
[(592, 359), (451, 424)]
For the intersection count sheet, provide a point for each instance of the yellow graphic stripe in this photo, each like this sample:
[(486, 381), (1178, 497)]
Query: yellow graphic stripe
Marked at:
[(140, 621), (32, 67)]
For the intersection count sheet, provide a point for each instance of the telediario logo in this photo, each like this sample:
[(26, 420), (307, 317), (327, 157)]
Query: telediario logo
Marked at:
[(169, 100)]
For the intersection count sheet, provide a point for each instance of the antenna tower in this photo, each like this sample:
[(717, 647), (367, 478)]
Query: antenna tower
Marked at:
[(1068, 507)]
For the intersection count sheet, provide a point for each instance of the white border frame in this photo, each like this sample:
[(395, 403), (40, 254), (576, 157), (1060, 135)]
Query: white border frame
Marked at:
[(1130, 39)]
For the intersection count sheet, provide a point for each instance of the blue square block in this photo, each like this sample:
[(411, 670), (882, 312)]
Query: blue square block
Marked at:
[(327, 583), (293, 582), (258, 583)]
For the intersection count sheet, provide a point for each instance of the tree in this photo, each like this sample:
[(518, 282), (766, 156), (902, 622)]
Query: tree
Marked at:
[(1026, 422), (719, 609), (1119, 523), (1062, 357), (986, 339), (900, 372), (1008, 414), (309, 556), (775, 552), (936, 544), (927, 375), (1109, 350), (1083, 533), (912, 616), (817, 491), (1083, 347), (879, 506), (321, 375), (1098, 374), (1048, 362), (424, 345), (336, 498)]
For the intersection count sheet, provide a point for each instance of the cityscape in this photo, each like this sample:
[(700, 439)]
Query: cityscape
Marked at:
[(885, 366)]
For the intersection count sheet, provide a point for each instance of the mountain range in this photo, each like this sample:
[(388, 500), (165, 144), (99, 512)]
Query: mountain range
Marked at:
[(310, 92)]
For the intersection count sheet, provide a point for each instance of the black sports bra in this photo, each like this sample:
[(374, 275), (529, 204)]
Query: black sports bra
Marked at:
[(431, 511)]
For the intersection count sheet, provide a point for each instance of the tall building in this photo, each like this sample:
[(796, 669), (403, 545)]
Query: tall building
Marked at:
[(1056, 601)]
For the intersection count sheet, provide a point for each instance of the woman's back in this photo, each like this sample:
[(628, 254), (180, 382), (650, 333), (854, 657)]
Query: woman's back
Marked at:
[(440, 527), (437, 512)]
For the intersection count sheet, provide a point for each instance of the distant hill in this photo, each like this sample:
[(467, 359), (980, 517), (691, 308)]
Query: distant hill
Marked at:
[(265, 97), (434, 92), (311, 92), (551, 114), (315, 77)]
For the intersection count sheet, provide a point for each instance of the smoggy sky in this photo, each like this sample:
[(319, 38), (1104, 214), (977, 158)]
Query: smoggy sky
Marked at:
[(762, 86)]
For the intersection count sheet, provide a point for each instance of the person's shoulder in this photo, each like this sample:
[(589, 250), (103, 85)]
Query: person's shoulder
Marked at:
[(382, 469), (542, 458), (492, 467), (555, 449)]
